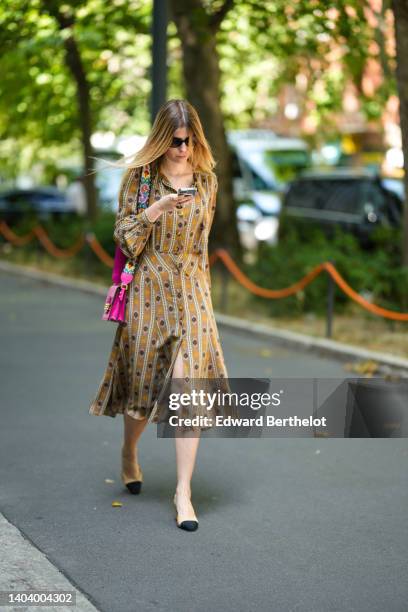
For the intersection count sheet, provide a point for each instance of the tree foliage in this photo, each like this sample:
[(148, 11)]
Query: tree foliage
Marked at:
[(261, 46), (38, 105)]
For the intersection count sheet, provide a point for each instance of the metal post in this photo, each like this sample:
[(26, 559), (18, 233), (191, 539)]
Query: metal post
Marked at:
[(38, 251), (330, 305), (158, 70)]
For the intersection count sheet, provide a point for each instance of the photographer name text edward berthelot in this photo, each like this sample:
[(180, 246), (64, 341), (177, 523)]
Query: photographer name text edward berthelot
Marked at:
[(227, 421)]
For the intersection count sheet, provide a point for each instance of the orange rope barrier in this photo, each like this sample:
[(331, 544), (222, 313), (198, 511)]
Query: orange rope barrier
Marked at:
[(55, 251), (12, 237), (221, 254), (50, 246), (99, 250), (280, 293), (261, 291), (378, 310)]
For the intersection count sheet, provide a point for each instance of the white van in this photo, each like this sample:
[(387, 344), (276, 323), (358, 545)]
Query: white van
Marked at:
[(263, 164)]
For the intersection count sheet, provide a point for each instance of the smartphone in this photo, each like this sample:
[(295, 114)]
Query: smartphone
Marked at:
[(187, 191)]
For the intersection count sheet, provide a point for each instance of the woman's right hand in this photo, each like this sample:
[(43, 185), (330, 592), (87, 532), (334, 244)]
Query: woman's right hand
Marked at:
[(172, 201), (167, 202)]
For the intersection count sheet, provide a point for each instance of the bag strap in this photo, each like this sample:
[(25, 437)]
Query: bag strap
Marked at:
[(145, 184), (121, 261)]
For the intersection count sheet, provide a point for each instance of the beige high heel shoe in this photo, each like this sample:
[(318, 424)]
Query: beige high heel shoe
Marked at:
[(132, 475), (188, 525)]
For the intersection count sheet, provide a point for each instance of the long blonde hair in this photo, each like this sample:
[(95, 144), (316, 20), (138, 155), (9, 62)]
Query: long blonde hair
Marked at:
[(172, 115)]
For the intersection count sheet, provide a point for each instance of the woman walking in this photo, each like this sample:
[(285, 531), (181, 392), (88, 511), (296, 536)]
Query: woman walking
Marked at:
[(171, 330)]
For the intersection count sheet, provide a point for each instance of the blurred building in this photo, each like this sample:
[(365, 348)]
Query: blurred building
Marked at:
[(372, 143)]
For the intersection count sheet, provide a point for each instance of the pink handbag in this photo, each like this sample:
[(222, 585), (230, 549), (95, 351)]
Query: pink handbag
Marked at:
[(124, 268)]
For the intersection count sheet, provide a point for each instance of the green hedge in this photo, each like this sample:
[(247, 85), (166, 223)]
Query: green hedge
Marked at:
[(376, 273)]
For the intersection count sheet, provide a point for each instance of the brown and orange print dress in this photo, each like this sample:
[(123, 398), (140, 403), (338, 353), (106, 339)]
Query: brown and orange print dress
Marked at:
[(169, 300)]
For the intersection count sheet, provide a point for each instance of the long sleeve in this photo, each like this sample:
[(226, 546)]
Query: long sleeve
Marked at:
[(211, 211), (132, 227)]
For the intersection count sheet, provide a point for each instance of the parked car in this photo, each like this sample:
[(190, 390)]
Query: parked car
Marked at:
[(42, 202), (356, 200), (263, 164)]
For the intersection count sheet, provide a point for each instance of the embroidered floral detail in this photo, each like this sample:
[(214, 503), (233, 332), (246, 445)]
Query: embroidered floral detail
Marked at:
[(144, 189), (129, 267), (142, 201)]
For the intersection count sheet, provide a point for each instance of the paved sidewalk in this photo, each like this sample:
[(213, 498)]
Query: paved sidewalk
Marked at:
[(318, 346), (25, 568), (292, 525)]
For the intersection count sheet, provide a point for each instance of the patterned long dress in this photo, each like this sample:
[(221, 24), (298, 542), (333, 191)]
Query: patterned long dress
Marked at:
[(169, 300)]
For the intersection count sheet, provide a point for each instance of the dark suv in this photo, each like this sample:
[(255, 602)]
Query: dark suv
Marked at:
[(355, 200), (42, 202)]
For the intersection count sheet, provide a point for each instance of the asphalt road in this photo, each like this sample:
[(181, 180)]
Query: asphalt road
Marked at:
[(305, 525)]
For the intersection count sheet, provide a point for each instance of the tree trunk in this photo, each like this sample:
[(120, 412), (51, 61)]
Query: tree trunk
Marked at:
[(73, 60), (202, 82), (400, 9), (75, 65)]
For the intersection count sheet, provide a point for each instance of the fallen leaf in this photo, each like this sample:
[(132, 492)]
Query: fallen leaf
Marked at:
[(363, 367), (117, 504)]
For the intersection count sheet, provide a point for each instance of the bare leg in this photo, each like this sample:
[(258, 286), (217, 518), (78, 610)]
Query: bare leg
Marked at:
[(133, 429), (186, 452)]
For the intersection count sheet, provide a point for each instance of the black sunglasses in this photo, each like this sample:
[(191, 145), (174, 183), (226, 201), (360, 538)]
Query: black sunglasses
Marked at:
[(177, 142)]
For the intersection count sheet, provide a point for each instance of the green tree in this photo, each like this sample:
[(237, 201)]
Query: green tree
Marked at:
[(67, 68), (400, 9), (197, 28)]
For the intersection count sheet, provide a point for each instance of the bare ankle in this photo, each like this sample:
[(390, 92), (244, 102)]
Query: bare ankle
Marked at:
[(183, 491), (129, 447)]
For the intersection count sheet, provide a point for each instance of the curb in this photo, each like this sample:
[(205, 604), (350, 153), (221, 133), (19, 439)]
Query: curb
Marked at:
[(321, 346), (26, 569), (52, 278)]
